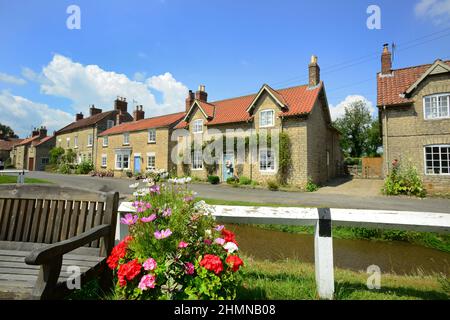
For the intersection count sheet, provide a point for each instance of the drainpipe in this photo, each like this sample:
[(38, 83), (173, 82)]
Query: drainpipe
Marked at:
[(386, 152), (94, 146)]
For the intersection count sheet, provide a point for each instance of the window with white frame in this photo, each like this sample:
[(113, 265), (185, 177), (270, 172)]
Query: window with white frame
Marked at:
[(266, 160), (126, 138), (437, 106), (152, 135), (197, 160), (122, 159), (109, 124), (437, 160), (105, 141), (151, 161), (75, 142), (104, 160), (267, 118), (197, 126), (90, 140)]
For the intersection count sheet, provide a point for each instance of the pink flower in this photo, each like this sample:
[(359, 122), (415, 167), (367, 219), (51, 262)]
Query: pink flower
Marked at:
[(162, 234), (183, 244), (148, 205), (219, 228), (207, 241), (129, 219), (167, 212), (147, 281), (155, 189), (189, 268), (150, 264), (220, 241), (188, 198), (149, 218)]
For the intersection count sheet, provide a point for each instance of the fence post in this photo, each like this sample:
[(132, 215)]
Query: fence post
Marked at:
[(323, 255)]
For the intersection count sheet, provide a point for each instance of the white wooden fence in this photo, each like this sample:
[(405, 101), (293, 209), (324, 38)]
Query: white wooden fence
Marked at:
[(322, 219)]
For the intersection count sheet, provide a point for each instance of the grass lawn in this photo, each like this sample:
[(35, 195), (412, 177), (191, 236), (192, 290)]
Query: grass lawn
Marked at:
[(13, 179), (293, 280), (245, 203)]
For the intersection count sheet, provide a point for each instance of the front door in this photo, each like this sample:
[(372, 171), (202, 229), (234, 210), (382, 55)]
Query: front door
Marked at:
[(30, 164), (137, 164), (228, 166)]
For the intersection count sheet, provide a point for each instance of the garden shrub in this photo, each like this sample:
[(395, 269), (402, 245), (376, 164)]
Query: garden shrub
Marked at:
[(84, 167), (175, 250), (213, 179), (273, 185), (311, 186), (233, 180), (65, 169), (404, 181), (245, 181)]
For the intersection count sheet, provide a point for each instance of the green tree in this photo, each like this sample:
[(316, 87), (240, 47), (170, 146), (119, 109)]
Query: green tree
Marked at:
[(355, 125), (55, 155), (374, 139), (6, 131)]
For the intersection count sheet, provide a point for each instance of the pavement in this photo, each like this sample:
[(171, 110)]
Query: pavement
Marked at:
[(350, 197)]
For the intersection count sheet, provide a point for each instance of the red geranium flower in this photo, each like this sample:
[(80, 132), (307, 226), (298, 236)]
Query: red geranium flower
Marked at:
[(228, 236), (212, 263), (234, 262), (118, 252), (128, 271)]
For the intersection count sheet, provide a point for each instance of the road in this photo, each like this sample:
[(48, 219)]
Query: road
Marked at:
[(262, 196)]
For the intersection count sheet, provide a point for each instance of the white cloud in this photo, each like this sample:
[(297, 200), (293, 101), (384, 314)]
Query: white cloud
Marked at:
[(436, 10), (7, 78), (339, 110), (90, 84), (22, 114), (139, 76)]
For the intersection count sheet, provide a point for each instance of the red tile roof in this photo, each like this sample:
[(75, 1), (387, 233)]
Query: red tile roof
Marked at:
[(155, 122), (9, 144), (86, 122), (44, 140), (28, 140), (299, 100), (389, 88)]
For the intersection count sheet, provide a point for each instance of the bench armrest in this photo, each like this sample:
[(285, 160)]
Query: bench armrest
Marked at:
[(46, 254)]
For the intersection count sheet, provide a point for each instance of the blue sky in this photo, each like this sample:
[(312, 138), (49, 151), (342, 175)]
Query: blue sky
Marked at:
[(153, 51)]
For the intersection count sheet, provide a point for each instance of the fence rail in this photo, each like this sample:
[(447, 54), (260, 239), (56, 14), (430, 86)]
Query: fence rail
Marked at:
[(20, 174), (323, 219)]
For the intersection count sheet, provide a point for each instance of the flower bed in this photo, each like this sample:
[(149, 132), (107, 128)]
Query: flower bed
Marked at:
[(175, 250)]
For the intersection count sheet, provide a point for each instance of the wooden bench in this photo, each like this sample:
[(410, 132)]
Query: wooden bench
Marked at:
[(46, 229)]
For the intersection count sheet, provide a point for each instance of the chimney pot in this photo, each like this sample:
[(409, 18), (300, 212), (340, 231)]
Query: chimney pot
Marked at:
[(201, 94), (386, 60), (78, 116)]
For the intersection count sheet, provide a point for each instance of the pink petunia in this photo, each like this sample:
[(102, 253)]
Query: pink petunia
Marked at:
[(220, 241), (183, 244), (150, 264), (155, 189), (189, 268), (162, 234), (219, 228), (167, 212), (147, 282), (129, 219), (150, 218)]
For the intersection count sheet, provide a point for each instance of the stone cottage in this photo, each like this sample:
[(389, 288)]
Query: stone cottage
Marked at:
[(301, 111), (414, 108), (33, 153), (81, 135)]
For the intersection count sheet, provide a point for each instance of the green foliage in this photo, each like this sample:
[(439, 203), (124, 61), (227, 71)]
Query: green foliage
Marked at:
[(69, 157), (84, 167), (404, 181), (349, 161), (273, 185), (213, 179), (284, 158), (64, 168), (359, 131), (232, 180), (55, 155), (6, 132), (8, 164), (311, 186), (245, 181)]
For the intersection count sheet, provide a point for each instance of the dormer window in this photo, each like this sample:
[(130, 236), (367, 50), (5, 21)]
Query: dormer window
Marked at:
[(437, 106), (266, 118), (197, 126)]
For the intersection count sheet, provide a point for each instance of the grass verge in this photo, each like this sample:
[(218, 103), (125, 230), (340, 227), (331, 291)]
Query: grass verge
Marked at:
[(13, 179)]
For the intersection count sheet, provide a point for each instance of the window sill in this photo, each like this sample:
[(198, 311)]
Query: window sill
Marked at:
[(199, 169), (151, 142)]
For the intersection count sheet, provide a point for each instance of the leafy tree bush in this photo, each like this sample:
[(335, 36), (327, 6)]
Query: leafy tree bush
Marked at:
[(84, 167), (55, 155), (245, 181), (214, 179), (404, 181), (273, 185), (64, 168), (233, 180), (311, 186)]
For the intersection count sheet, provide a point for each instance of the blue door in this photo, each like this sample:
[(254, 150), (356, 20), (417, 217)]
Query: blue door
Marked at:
[(228, 166), (137, 164)]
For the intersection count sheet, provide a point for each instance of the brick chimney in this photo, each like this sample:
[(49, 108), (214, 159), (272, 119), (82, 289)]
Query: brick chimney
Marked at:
[(78, 116), (42, 132), (35, 132), (386, 60), (139, 113), (201, 94), (93, 110), (314, 72), (189, 100), (121, 104)]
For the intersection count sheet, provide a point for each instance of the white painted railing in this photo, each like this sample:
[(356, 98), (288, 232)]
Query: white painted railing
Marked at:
[(20, 174), (322, 219)]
